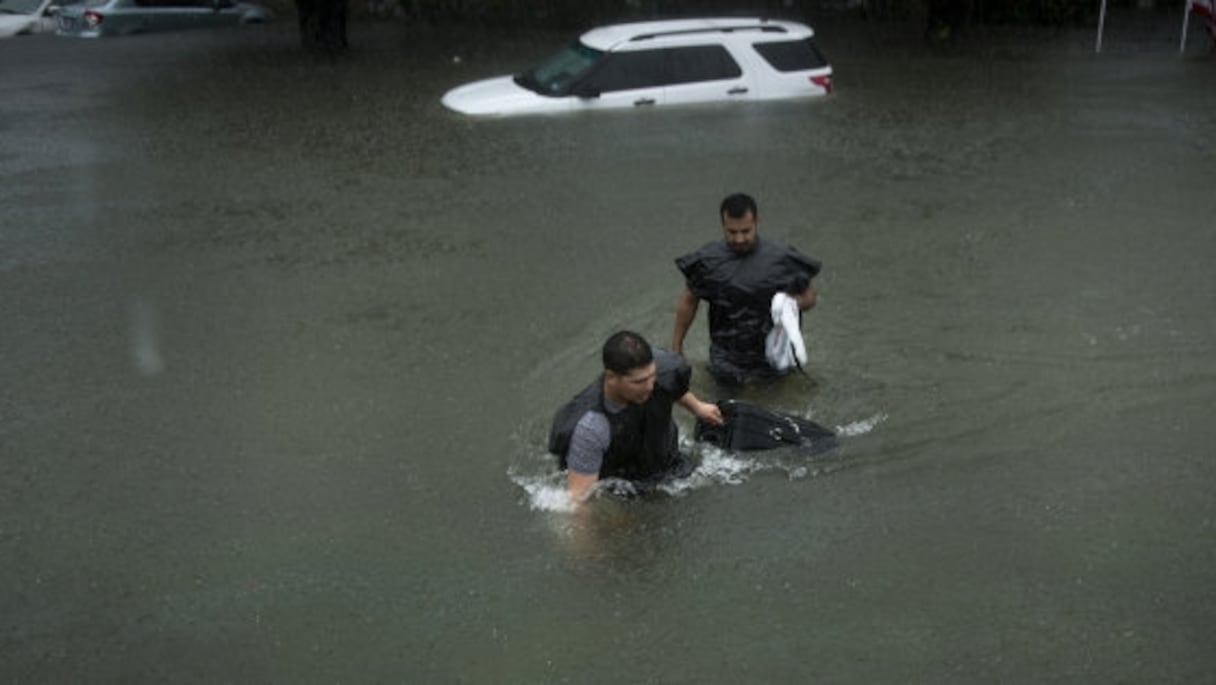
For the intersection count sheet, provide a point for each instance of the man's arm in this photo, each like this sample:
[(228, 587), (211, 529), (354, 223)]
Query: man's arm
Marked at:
[(701, 409), (588, 444), (686, 312)]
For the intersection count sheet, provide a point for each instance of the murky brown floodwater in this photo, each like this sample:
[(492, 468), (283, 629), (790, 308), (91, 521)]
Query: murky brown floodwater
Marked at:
[(281, 340)]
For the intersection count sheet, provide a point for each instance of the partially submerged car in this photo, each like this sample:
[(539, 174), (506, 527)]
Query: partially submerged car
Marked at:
[(96, 18), (26, 17), (670, 62)]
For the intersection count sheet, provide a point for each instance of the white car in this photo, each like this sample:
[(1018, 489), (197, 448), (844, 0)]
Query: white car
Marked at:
[(658, 63), (96, 18), (25, 17)]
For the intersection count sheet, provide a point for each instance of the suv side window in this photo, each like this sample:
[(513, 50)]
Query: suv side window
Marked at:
[(665, 66), (627, 71), (791, 55), (701, 63)]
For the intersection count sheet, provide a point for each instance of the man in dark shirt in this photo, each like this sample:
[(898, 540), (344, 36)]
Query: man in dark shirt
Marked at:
[(738, 276)]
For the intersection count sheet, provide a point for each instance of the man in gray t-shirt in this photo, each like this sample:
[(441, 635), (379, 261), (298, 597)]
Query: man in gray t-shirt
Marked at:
[(620, 426)]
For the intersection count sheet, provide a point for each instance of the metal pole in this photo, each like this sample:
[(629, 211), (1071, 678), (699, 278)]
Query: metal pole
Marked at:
[(1186, 17), (1102, 25)]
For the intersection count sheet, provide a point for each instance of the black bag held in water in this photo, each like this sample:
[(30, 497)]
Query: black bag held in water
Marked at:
[(749, 427)]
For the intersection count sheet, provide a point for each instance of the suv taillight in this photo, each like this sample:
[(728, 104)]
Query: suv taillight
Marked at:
[(824, 82), (93, 19)]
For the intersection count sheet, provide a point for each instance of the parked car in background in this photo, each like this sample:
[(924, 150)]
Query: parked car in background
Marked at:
[(95, 18), (25, 17), (659, 63)]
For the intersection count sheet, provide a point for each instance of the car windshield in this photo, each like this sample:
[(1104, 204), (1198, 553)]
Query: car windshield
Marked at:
[(554, 75), (19, 6)]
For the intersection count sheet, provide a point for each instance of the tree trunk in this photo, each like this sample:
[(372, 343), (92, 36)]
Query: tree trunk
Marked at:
[(322, 25)]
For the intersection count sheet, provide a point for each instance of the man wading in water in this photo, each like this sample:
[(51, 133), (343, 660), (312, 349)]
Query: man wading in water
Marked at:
[(739, 276), (620, 425)]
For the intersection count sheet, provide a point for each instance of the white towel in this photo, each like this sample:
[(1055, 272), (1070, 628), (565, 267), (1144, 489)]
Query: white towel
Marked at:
[(784, 347)]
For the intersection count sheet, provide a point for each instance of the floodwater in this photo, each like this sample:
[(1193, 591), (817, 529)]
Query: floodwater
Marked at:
[(281, 339)]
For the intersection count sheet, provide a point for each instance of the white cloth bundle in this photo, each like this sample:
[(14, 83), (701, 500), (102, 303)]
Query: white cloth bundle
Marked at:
[(784, 347)]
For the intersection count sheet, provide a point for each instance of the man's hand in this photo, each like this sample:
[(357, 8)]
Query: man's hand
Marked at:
[(702, 410), (709, 412), (806, 298)]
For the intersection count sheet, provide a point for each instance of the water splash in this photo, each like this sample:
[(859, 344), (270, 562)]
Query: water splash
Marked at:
[(546, 492), (717, 467), (860, 427), (545, 488)]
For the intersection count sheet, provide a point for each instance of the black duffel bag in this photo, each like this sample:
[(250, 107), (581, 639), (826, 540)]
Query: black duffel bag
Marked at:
[(749, 428)]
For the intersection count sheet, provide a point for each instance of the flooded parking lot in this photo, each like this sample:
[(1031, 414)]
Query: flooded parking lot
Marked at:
[(282, 338)]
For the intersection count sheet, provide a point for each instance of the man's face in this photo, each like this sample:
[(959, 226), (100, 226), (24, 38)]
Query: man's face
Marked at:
[(633, 387), (740, 232)]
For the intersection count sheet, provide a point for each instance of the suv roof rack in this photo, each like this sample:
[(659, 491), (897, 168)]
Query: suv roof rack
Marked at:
[(763, 28)]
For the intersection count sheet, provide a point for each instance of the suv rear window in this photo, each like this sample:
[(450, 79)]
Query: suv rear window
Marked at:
[(792, 55)]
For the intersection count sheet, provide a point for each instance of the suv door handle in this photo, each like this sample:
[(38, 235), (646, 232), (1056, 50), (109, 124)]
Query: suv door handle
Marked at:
[(643, 101), (738, 90)]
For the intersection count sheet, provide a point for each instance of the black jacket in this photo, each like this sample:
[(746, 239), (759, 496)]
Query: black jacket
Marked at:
[(740, 289), (644, 437)]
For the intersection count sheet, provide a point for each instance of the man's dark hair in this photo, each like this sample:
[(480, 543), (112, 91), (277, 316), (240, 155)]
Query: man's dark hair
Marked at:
[(625, 351), (737, 206)]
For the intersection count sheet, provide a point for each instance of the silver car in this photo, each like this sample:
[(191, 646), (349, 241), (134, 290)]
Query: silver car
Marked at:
[(26, 17), (95, 18)]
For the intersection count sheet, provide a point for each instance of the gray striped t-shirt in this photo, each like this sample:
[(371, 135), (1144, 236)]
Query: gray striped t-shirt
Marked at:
[(590, 441)]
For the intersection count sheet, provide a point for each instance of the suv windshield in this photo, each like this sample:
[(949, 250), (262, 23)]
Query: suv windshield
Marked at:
[(555, 74)]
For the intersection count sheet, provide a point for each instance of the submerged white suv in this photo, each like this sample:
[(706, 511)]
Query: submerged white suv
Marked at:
[(648, 64)]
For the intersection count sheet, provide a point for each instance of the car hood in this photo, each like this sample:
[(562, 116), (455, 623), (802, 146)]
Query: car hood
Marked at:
[(12, 24), (499, 95)]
